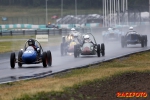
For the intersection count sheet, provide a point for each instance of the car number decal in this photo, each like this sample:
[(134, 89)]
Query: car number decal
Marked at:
[(28, 52)]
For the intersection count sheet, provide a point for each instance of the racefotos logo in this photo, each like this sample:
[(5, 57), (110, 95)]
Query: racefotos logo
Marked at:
[(131, 94)]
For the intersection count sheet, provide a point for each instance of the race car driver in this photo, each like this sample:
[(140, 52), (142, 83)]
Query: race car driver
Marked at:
[(87, 39), (31, 42)]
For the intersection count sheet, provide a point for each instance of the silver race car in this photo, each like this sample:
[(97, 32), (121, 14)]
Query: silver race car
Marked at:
[(112, 34), (89, 48)]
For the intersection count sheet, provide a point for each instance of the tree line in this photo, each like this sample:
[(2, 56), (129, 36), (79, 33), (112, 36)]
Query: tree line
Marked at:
[(82, 4)]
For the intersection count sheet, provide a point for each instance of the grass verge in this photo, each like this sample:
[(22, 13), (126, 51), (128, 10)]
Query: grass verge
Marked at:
[(15, 43), (56, 85)]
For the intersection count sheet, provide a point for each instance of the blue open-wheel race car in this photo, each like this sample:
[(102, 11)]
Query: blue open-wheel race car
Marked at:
[(31, 54)]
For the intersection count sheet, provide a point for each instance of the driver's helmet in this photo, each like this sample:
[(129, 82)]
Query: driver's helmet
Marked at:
[(130, 28), (75, 35), (109, 29), (31, 42), (86, 37), (73, 29)]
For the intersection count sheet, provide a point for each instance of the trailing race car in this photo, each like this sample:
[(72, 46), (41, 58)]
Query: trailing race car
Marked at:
[(68, 42), (112, 34), (89, 48), (52, 26), (132, 37), (31, 54)]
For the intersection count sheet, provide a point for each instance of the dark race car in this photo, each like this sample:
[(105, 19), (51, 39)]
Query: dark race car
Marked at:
[(52, 26), (133, 38), (31, 55)]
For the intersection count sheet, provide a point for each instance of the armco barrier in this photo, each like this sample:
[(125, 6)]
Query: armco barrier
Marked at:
[(30, 26), (41, 31)]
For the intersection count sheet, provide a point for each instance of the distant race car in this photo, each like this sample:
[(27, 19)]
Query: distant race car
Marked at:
[(53, 26), (68, 42), (112, 34), (132, 37), (29, 55), (89, 48)]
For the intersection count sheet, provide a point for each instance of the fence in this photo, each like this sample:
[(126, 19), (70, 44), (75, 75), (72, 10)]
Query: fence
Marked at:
[(41, 31), (23, 20)]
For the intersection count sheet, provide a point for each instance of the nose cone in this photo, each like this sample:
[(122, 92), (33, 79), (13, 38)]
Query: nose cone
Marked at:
[(71, 48), (86, 49), (29, 57)]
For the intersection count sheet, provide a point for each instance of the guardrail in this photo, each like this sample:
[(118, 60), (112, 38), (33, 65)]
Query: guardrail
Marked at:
[(40, 31), (32, 26)]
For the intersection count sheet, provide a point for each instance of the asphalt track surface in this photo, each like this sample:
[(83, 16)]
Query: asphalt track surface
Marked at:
[(60, 63)]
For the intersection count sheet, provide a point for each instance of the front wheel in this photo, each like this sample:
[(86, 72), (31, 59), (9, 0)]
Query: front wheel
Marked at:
[(145, 40), (76, 51), (12, 60), (20, 58), (142, 41), (44, 59), (62, 49), (98, 50), (49, 58), (103, 49), (123, 43)]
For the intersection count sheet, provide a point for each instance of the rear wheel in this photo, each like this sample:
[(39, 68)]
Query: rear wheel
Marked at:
[(75, 51), (98, 50), (145, 40), (78, 50), (12, 60), (103, 49), (63, 40), (44, 59), (123, 42), (20, 58), (49, 58), (142, 41), (62, 49)]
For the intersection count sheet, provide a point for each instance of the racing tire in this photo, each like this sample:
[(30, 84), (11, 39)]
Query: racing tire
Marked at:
[(142, 41), (75, 51), (65, 51), (78, 50), (44, 59), (20, 59), (98, 50), (62, 49), (12, 60), (123, 42), (49, 58), (103, 49), (63, 40), (145, 40)]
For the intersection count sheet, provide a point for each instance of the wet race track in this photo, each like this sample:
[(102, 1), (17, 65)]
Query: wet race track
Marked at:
[(60, 63)]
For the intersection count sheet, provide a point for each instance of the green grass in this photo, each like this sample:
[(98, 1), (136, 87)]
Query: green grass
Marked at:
[(70, 91), (11, 46), (7, 43), (17, 37)]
